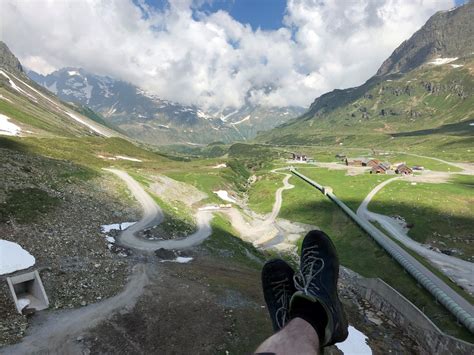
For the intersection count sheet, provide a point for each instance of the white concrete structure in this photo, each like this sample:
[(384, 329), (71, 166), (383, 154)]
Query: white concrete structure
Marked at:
[(28, 292)]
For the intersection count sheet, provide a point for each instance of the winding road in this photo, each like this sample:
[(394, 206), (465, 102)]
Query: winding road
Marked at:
[(57, 332), (263, 234), (458, 270), (153, 215), (279, 195)]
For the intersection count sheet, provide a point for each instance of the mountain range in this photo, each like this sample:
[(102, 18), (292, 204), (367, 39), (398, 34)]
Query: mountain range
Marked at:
[(147, 117), (422, 95)]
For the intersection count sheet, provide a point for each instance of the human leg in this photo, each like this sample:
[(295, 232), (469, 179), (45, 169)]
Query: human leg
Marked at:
[(314, 316), (297, 337)]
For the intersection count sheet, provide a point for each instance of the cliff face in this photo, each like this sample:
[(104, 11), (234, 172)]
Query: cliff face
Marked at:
[(8, 60)]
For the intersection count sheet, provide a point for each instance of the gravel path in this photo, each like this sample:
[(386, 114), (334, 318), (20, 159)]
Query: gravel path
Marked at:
[(57, 332)]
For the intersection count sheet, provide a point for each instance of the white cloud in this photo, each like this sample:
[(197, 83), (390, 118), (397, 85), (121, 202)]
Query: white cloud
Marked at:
[(211, 59)]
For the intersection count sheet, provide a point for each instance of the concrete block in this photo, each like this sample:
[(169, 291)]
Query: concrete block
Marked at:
[(28, 292)]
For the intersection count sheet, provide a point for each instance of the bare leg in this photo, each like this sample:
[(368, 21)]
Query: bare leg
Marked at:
[(297, 337)]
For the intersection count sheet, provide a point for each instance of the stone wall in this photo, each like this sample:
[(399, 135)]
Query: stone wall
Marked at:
[(405, 314)]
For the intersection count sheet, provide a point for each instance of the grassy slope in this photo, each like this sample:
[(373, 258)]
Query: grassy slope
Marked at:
[(33, 116), (352, 189), (414, 118), (262, 193), (328, 154), (224, 243), (358, 252), (438, 212), (356, 249), (42, 118)]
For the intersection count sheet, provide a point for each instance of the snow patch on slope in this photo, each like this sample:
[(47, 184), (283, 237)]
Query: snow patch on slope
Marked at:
[(106, 228), (219, 166), (201, 114), (226, 117), (246, 118), (13, 257), (356, 343), (8, 128), (441, 61), (179, 259), (224, 195), (78, 119), (127, 158), (88, 91), (17, 88)]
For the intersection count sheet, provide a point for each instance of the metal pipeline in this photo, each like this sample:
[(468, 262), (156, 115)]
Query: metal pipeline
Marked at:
[(463, 316)]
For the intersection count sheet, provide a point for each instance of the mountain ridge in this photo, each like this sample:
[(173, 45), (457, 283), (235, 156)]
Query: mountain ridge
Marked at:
[(35, 111), (147, 117), (435, 38), (406, 95)]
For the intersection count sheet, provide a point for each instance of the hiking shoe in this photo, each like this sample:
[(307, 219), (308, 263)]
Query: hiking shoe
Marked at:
[(278, 287), (316, 298)]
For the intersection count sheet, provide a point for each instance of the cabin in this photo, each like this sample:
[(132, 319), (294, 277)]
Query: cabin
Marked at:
[(381, 168), (402, 169), (378, 169), (373, 162), (394, 166), (299, 157)]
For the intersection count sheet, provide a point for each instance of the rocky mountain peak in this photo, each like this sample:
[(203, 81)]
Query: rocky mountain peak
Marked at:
[(446, 34)]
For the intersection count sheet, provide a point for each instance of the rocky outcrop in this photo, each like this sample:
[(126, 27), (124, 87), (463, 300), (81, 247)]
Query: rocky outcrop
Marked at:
[(8, 60)]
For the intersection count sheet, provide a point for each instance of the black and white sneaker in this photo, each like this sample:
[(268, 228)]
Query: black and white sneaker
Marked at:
[(316, 285), (278, 287)]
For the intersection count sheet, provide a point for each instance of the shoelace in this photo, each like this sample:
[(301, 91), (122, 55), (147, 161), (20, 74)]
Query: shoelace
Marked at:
[(281, 294), (303, 278)]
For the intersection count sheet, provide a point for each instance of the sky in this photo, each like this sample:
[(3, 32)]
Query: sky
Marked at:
[(216, 53)]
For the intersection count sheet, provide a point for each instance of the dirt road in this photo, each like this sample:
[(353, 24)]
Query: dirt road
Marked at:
[(268, 232), (56, 332), (263, 233), (278, 195), (153, 215), (468, 168), (460, 271)]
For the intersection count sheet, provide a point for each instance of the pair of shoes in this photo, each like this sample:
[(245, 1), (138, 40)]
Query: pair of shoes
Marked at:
[(310, 293)]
